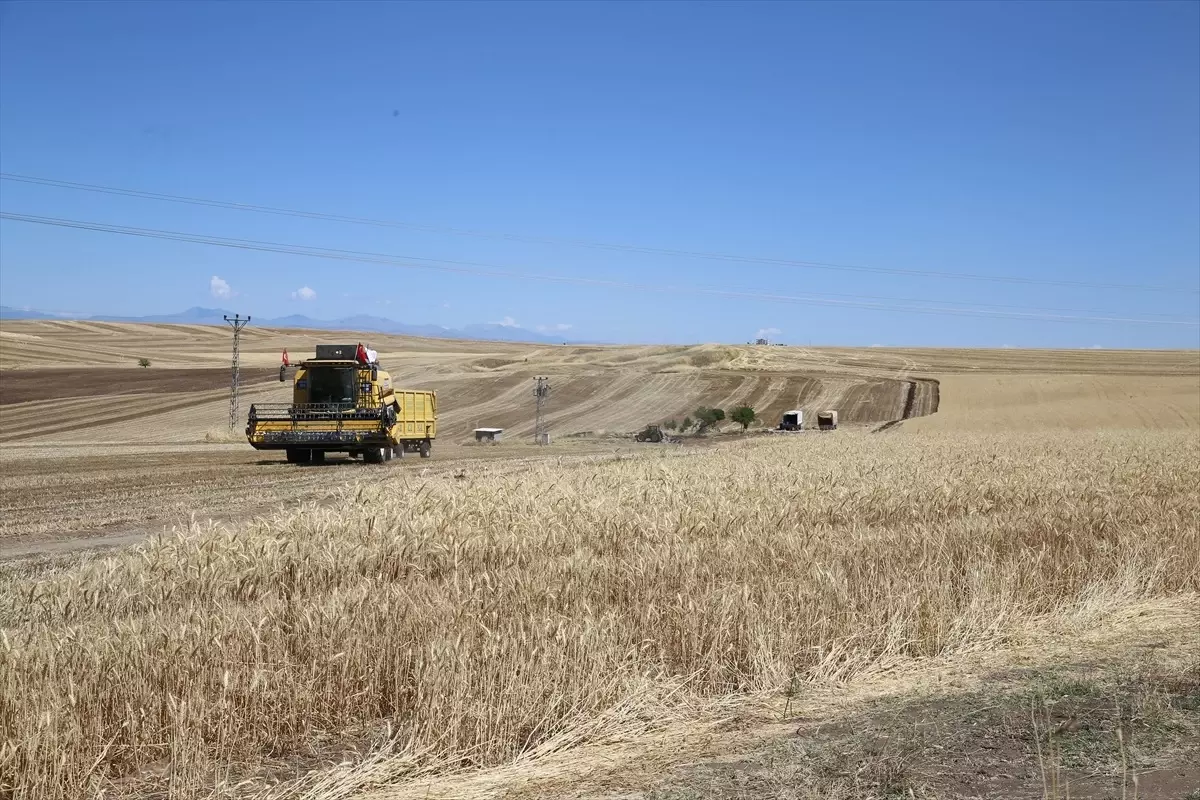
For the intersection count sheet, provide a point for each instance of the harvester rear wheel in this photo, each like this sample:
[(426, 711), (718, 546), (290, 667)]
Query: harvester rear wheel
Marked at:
[(426, 446)]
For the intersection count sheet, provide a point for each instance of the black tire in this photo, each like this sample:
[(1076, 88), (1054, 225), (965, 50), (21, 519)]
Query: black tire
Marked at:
[(373, 455), (318, 456), (297, 456), (398, 451), (426, 447), (387, 454)]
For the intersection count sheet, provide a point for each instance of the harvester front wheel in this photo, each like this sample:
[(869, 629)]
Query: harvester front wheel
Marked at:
[(426, 446), (297, 456), (373, 455), (318, 456)]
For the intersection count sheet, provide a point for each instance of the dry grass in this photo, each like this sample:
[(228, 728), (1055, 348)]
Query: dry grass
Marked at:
[(447, 622), (1081, 724)]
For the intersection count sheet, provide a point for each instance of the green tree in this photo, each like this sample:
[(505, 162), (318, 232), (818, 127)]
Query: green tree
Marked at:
[(743, 415), (671, 425), (143, 362), (707, 417), (687, 424)]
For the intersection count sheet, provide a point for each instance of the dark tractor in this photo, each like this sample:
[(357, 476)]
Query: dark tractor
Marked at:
[(651, 433)]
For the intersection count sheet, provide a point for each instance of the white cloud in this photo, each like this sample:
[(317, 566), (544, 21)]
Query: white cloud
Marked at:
[(1096, 347), (507, 322), (767, 333), (874, 345), (220, 288), (445, 305), (559, 328), (304, 293)]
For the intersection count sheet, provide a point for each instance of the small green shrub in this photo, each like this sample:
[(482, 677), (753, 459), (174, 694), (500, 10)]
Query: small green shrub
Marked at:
[(743, 415)]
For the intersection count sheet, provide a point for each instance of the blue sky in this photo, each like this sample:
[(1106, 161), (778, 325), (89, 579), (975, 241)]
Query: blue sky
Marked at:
[(1052, 141)]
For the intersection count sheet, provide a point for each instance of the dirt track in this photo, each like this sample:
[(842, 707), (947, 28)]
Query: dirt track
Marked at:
[(84, 497)]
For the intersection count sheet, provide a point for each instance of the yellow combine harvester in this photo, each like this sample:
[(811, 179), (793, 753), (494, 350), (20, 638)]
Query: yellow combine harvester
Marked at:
[(343, 402)]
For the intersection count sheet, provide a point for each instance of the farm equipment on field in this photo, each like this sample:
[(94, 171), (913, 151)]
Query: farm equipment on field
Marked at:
[(655, 435), (343, 401), (792, 421), (651, 433)]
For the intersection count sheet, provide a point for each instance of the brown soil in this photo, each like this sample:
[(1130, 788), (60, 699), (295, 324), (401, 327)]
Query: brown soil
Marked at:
[(30, 385)]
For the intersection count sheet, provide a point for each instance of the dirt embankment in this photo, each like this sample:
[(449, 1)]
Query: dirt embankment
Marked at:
[(921, 399)]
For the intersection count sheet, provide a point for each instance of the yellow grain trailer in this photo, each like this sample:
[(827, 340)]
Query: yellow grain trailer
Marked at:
[(343, 401)]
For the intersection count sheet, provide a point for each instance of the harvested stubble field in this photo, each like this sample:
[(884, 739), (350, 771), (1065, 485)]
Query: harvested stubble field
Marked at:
[(575, 620), (88, 374), (426, 625)]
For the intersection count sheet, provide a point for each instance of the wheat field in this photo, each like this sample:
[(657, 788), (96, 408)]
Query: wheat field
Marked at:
[(451, 623), (366, 628)]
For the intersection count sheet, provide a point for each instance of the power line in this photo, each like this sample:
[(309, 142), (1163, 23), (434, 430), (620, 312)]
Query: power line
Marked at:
[(726, 257), (490, 270)]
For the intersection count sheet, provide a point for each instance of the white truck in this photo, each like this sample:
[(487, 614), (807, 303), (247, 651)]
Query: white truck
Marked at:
[(792, 421)]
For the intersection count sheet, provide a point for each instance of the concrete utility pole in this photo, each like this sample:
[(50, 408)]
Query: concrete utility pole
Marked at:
[(237, 322), (541, 391)]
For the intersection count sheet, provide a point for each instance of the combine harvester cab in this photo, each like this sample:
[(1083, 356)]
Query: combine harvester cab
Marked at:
[(343, 402)]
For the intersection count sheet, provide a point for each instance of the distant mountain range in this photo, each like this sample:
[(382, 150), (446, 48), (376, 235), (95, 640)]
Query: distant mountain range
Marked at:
[(361, 322)]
